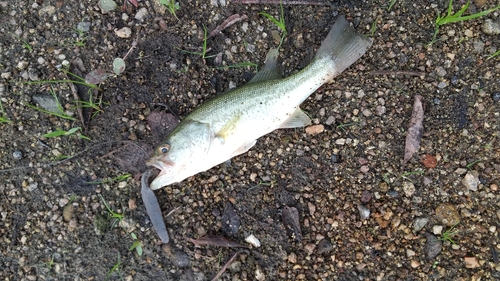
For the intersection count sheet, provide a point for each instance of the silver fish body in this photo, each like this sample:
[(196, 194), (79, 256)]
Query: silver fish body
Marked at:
[(231, 123)]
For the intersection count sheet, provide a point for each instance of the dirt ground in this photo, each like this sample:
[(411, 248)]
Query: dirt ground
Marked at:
[(363, 215)]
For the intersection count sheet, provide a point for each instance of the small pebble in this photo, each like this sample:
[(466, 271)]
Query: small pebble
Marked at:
[(324, 246), (495, 96), (315, 129), (419, 223), (364, 212), (141, 14), (17, 155), (447, 214), (253, 240), (471, 180), (437, 229), (490, 27), (335, 158), (124, 32), (471, 262)]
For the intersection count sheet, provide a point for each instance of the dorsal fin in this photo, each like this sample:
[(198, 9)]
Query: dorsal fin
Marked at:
[(271, 69)]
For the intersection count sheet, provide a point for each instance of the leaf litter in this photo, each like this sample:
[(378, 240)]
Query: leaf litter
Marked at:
[(415, 129)]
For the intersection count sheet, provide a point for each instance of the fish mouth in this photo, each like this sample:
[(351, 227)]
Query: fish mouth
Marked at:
[(164, 177)]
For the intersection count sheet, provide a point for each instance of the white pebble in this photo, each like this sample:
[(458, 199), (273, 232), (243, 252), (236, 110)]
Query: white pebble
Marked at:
[(253, 240)]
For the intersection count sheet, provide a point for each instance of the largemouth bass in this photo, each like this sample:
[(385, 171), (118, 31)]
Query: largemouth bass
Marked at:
[(231, 123)]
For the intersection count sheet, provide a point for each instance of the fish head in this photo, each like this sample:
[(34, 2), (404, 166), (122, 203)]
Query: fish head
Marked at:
[(180, 154)]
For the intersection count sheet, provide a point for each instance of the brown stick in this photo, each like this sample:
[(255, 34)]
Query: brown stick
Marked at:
[(228, 263), (389, 72)]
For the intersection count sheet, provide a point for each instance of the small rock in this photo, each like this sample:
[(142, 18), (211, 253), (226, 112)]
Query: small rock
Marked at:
[(177, 257), (437, 229), (414, 263), (478, 46), (495, 96), (433, 246), (335, 158), (381, 109), (132, 205), (366, 196), (309, 247), (340, 141), (491, 28), (49, 10), (292, 257), (471, 180), (68, 212), (259, 274), (364, 212), (447, 214), (471, 262), (324, 247), (419, 223), (440, 71), (442, 85), (253, 240), (83, 26), (143, 12), (17, 155), (364, 169), (469, 33), (366, 112), (410, 253), (315, 129), (408, 188), (124, 32)]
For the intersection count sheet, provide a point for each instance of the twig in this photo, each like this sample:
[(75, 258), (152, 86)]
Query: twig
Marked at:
[(389, 72), (228, 263), (134, 45), (43, 165), (227, 23), (277, 2)]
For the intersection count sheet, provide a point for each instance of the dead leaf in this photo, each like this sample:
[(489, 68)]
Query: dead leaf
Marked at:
[(291, 222), (429, 161), (215, 240), (415, 129), (230, 220)]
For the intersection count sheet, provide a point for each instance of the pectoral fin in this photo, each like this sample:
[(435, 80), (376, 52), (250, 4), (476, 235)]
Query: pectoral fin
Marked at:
[(244, 148), (228, 129), (296, 120)]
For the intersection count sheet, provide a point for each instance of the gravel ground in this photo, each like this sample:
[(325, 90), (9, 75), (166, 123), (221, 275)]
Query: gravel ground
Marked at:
[(328, 202)]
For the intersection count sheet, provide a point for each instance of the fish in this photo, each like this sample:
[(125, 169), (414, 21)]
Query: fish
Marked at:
[(230, 123)]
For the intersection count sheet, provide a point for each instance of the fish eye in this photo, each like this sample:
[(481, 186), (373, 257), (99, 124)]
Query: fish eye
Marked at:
[(165, 148)]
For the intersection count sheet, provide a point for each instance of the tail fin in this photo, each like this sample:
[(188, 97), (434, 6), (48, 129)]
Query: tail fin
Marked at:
[(343, 45)]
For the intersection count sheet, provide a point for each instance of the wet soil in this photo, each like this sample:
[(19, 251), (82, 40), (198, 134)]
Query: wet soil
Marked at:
[(362, 214)]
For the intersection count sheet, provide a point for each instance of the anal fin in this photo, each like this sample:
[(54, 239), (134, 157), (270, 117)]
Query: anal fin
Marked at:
[(297, 119), (244, 148)]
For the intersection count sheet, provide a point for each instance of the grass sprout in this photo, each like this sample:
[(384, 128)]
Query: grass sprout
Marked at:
[(118, 178), (391, 4), (3, 118), (203, 52), (96, 106), (451, 17), (172, 6), (116, 217), (280, 23), (446, 236), (494, 55), (26, 45), (116, 268), (136, 245), (60, 132)]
